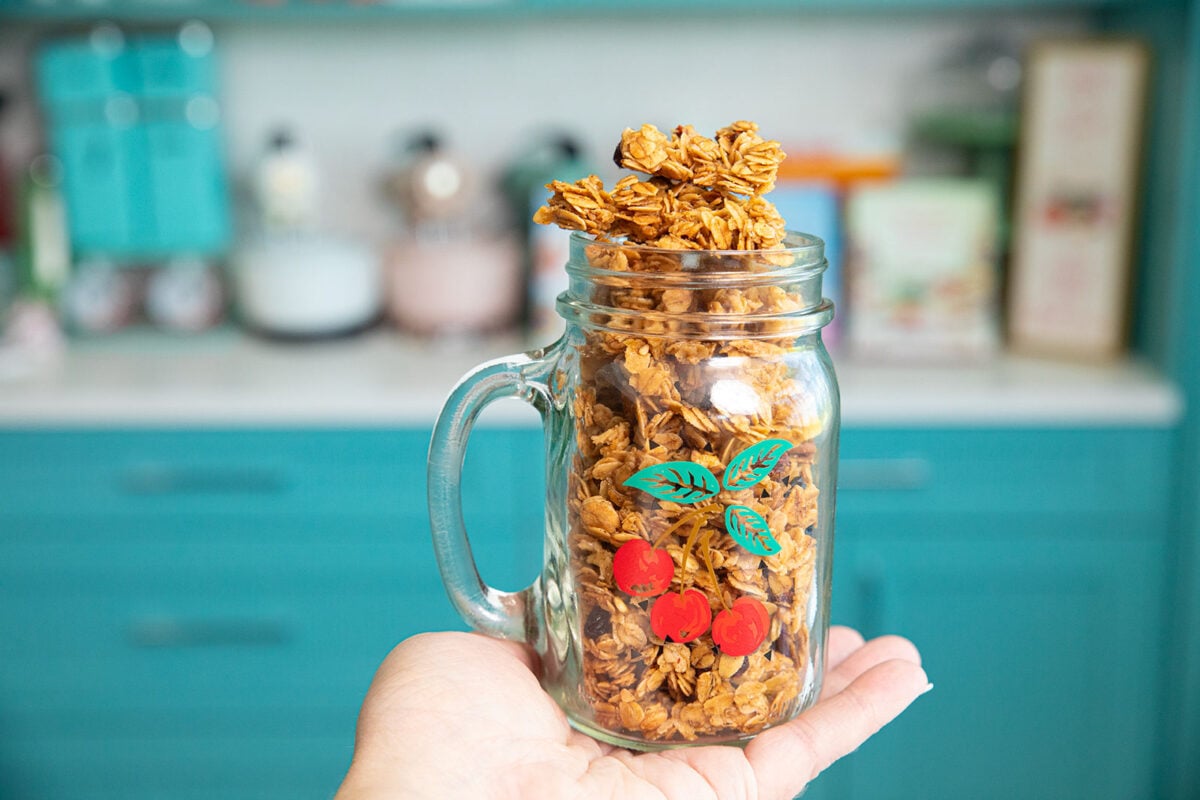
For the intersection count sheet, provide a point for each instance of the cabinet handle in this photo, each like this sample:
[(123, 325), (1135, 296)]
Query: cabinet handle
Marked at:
[(883, 474), (157, 479), (177, 632)]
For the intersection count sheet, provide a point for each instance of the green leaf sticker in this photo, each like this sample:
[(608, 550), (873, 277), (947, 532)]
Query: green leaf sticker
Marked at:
[(752, 464), (680, 481), (750, 530)]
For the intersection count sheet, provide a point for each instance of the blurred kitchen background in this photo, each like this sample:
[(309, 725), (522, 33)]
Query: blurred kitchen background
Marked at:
[(247, 247)]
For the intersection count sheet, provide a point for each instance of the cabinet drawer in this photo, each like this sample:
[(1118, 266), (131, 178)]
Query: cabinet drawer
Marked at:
[(199, 553), (211, 756), (346, 473), (213, 611), (315, 646), (1007, 472), (189, 471)]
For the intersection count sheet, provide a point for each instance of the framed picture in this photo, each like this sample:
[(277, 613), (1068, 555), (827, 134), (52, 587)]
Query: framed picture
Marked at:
[(921, 257), (1075, 198)]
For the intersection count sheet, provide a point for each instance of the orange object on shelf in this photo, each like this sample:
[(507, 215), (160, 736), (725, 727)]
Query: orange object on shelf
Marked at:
[(841, 170)]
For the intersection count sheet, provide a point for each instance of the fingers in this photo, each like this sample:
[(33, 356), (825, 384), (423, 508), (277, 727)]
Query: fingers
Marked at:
[(786, 758), (884, 648)]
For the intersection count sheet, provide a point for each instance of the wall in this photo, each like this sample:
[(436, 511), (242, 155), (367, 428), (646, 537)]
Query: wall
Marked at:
[(831, 81), (491, 84)]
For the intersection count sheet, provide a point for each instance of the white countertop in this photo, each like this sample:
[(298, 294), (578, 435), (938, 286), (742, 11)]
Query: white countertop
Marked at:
[(229, 379)]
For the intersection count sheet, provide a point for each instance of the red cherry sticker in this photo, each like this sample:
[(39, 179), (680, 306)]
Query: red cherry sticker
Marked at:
[(680, 617), (739, 630), (642, 571)]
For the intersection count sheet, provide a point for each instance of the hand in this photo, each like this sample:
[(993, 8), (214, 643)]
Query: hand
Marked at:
[(454, 715)]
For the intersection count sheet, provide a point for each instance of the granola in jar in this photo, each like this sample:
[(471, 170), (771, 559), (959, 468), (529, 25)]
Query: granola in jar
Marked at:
[(699, 485)]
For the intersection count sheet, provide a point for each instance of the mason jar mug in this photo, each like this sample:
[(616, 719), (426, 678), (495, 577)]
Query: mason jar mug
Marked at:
[(691, 421)]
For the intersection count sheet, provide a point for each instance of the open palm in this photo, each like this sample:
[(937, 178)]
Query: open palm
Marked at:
[(461, 715)]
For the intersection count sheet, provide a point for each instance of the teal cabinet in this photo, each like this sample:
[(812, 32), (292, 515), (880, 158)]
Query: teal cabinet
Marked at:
[(199, 613), (1044, 667), (1030, 568)]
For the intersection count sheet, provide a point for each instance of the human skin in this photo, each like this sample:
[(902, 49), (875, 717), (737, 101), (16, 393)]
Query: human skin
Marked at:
[(453, 715)]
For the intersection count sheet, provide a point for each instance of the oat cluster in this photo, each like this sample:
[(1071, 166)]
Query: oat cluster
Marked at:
[(648, 396), (702, 194)]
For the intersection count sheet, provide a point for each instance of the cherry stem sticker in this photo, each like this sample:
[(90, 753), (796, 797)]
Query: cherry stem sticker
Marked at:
[(642, 569), (705, 550), (687, 549)]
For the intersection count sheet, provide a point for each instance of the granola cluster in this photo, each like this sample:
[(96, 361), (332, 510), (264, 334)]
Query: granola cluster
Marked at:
[(702, 194), (692, 497)]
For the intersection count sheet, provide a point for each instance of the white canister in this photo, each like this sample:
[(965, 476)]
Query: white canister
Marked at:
[(307, 285)]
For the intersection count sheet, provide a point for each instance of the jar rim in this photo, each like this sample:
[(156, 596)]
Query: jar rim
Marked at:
[(796, 268), (807, 251), (705, 327)]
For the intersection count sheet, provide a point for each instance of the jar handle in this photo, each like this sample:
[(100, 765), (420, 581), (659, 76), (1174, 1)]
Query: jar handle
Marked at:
[(508, 615)]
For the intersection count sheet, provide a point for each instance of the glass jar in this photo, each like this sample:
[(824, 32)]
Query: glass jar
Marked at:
[(691, 424)]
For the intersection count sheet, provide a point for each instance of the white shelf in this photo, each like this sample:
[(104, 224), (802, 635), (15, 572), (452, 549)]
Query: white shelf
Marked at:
[(229, 379)]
